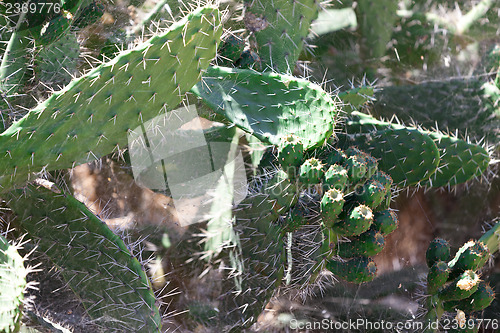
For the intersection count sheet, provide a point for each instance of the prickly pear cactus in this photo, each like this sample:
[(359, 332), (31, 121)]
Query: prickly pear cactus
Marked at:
[(12, 286), (270, 106), (455, 285), (416, 156), (95, 262), (101, 107)]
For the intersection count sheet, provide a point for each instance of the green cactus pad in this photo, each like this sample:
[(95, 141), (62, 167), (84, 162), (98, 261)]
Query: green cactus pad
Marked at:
[(281, 189), (462, 287), (311, 171), (356, 167), (355, 270), (367, 244), (95, 262), (270, 106), (257, 263), (384, 179), (99, 109), (280, 28), (438, 250), (385, 221), (464, 105), (12, 286), (335, 178), (290, 153), (406, 154), (355, 98), (471, 256), (358, 220), (331, 205), (437, 276), (459, 162), (371, 194), (478, 301), (335, 156)]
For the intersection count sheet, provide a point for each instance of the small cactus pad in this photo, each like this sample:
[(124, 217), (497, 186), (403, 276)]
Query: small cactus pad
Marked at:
[(280, 28), (438, 250), (355, 270), (383, 178), (95, 262), (331, 205), (290, 153), (270, 106), (335, 156), (472, 255), (356, 167), (12, 285), (478, 301), (462, 287), (335, 178), (367, 244), (385, 221), (97, 110), (358, 221), (311, 171), (371, 194), (437, 276)]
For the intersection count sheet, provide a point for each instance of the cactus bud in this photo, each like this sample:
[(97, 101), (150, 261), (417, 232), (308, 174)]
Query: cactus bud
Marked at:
[(331, 206), (372, 194), (311, 171), (438, 250), (385, 221), (290, 154), (356, 168), (437, 276), (367, 244), (335, 177), (358, 221)]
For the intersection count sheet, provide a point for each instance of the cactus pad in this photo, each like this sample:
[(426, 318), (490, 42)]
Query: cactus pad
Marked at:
[(438, 250), (478, 301), (94, 261), (437, 276), (97, 110), (270, 106), (367, 244)]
